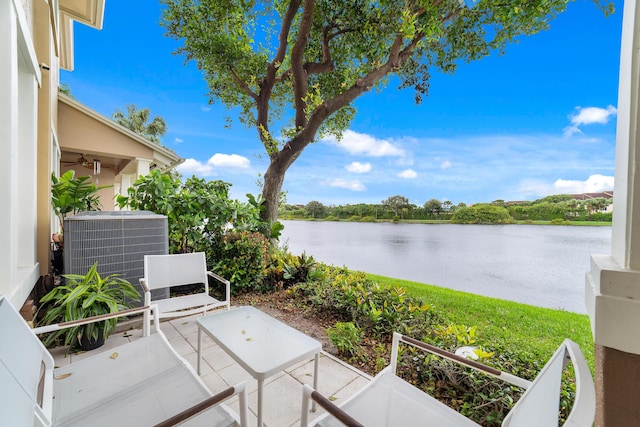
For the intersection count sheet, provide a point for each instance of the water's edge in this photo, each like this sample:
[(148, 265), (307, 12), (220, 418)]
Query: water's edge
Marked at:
[(533, 264)]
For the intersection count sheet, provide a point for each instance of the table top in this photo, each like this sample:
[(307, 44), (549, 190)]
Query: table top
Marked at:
[(259, 343)]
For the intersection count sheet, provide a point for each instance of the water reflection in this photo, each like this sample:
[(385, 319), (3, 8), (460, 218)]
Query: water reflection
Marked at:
[(540, 265)]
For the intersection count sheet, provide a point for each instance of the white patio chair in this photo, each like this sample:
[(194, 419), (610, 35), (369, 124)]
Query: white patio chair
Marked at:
[(165, 271), (390, 401), (141, 383)]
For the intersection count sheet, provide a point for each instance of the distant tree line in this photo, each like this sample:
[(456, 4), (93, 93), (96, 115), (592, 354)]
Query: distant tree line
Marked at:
[(561, 207)]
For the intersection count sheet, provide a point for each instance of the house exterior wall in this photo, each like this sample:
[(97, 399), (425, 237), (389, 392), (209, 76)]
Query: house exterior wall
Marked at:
[(81, 133)]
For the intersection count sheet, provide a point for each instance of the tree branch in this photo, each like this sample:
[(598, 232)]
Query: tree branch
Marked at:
[(266, 84), (242, 84), (300, 83)]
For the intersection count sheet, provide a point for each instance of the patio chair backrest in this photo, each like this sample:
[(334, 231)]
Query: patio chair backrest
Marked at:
[(163, 271), (539, 405), (26, 372)]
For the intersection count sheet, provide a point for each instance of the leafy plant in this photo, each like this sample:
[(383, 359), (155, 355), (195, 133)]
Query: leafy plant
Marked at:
[(199, 212), (346, 337), (300, 269), (85, 296), (243, 259), (380, 310), (72, 195)]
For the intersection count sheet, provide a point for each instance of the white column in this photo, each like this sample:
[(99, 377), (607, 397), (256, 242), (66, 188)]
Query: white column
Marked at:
[(142, 167), (613, 284), (8, 144)]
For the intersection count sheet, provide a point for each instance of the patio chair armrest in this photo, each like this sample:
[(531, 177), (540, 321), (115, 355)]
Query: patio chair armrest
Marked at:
[(218, 278), (504, 376), (223, 281), (309, 393), (143, 284), (92, 319), (239, 389)]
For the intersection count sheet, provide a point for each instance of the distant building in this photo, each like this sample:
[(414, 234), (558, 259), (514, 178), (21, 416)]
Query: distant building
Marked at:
[(587, 196)]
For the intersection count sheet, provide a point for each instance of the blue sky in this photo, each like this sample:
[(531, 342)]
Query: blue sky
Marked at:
[(536, 121)]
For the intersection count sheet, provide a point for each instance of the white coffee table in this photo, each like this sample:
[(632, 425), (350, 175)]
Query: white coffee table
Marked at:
[(262, 345)]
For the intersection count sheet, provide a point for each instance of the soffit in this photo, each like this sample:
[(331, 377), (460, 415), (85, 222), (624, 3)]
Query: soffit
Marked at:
[(88, 12)]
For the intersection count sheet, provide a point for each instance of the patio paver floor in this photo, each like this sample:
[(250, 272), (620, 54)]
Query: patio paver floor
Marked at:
[(283, 391)]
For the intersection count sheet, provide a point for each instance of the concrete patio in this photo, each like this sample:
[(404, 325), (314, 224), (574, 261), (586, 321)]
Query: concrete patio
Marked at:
[(282, 392)]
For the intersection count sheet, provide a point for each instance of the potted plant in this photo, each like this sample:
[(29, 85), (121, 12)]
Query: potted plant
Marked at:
[(86, 296), (70, 195)]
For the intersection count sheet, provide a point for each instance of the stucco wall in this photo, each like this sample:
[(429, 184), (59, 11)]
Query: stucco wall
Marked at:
[(83, 134)]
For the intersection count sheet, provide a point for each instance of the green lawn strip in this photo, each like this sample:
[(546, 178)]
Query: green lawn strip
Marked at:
[(504, 324)]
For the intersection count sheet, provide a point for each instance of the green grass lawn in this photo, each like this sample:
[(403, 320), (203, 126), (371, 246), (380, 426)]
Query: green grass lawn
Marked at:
[(504, 323)]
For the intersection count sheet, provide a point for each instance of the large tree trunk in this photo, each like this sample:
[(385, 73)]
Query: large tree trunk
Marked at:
[(273, 180)]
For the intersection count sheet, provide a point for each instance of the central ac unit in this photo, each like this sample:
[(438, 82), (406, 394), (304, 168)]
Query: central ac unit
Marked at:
[(117, 241)]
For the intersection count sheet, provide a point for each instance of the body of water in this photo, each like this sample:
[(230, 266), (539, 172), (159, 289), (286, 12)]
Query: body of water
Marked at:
[(534, 264)]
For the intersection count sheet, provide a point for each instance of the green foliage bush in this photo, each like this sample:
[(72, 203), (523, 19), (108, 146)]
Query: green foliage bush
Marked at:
[(242, 259), (482, 214), (354, 218), (346, 337), (199, 212), (331, 218), (201, 217), (601, 216), (377, 310), (367, 219)]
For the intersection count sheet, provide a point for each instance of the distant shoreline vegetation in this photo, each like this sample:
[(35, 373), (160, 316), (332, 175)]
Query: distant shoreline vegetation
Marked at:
[(562, 209)]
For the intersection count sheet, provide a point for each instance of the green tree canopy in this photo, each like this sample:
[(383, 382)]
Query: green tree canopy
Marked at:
[(299, 64), (433, 207), (396, 203), (139, 122), (315, 209)]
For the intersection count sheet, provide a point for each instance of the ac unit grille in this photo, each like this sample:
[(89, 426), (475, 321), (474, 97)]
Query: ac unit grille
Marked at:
[(117, 241)]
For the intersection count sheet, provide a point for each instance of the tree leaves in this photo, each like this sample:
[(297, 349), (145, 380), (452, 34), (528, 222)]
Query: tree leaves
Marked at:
[(300, 65)]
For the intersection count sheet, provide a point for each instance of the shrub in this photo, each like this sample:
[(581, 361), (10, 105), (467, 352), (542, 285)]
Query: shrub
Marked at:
[(354, 218), (482, 214), (331, 218), (367, 219), (242, 259), (377, 309), (365, 306), (346, 337)]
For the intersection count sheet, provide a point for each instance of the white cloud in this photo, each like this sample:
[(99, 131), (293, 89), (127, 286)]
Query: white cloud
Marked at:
[(593, 184), (179, 140), (205, 108), (408, 174), (215, 162), (194, 167), (357, 167), (229, 161), (587, 116), (445, 164), (349, 185), (363, 144)]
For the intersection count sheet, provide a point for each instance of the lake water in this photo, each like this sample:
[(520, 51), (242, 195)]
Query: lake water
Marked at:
[(533, 264)]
